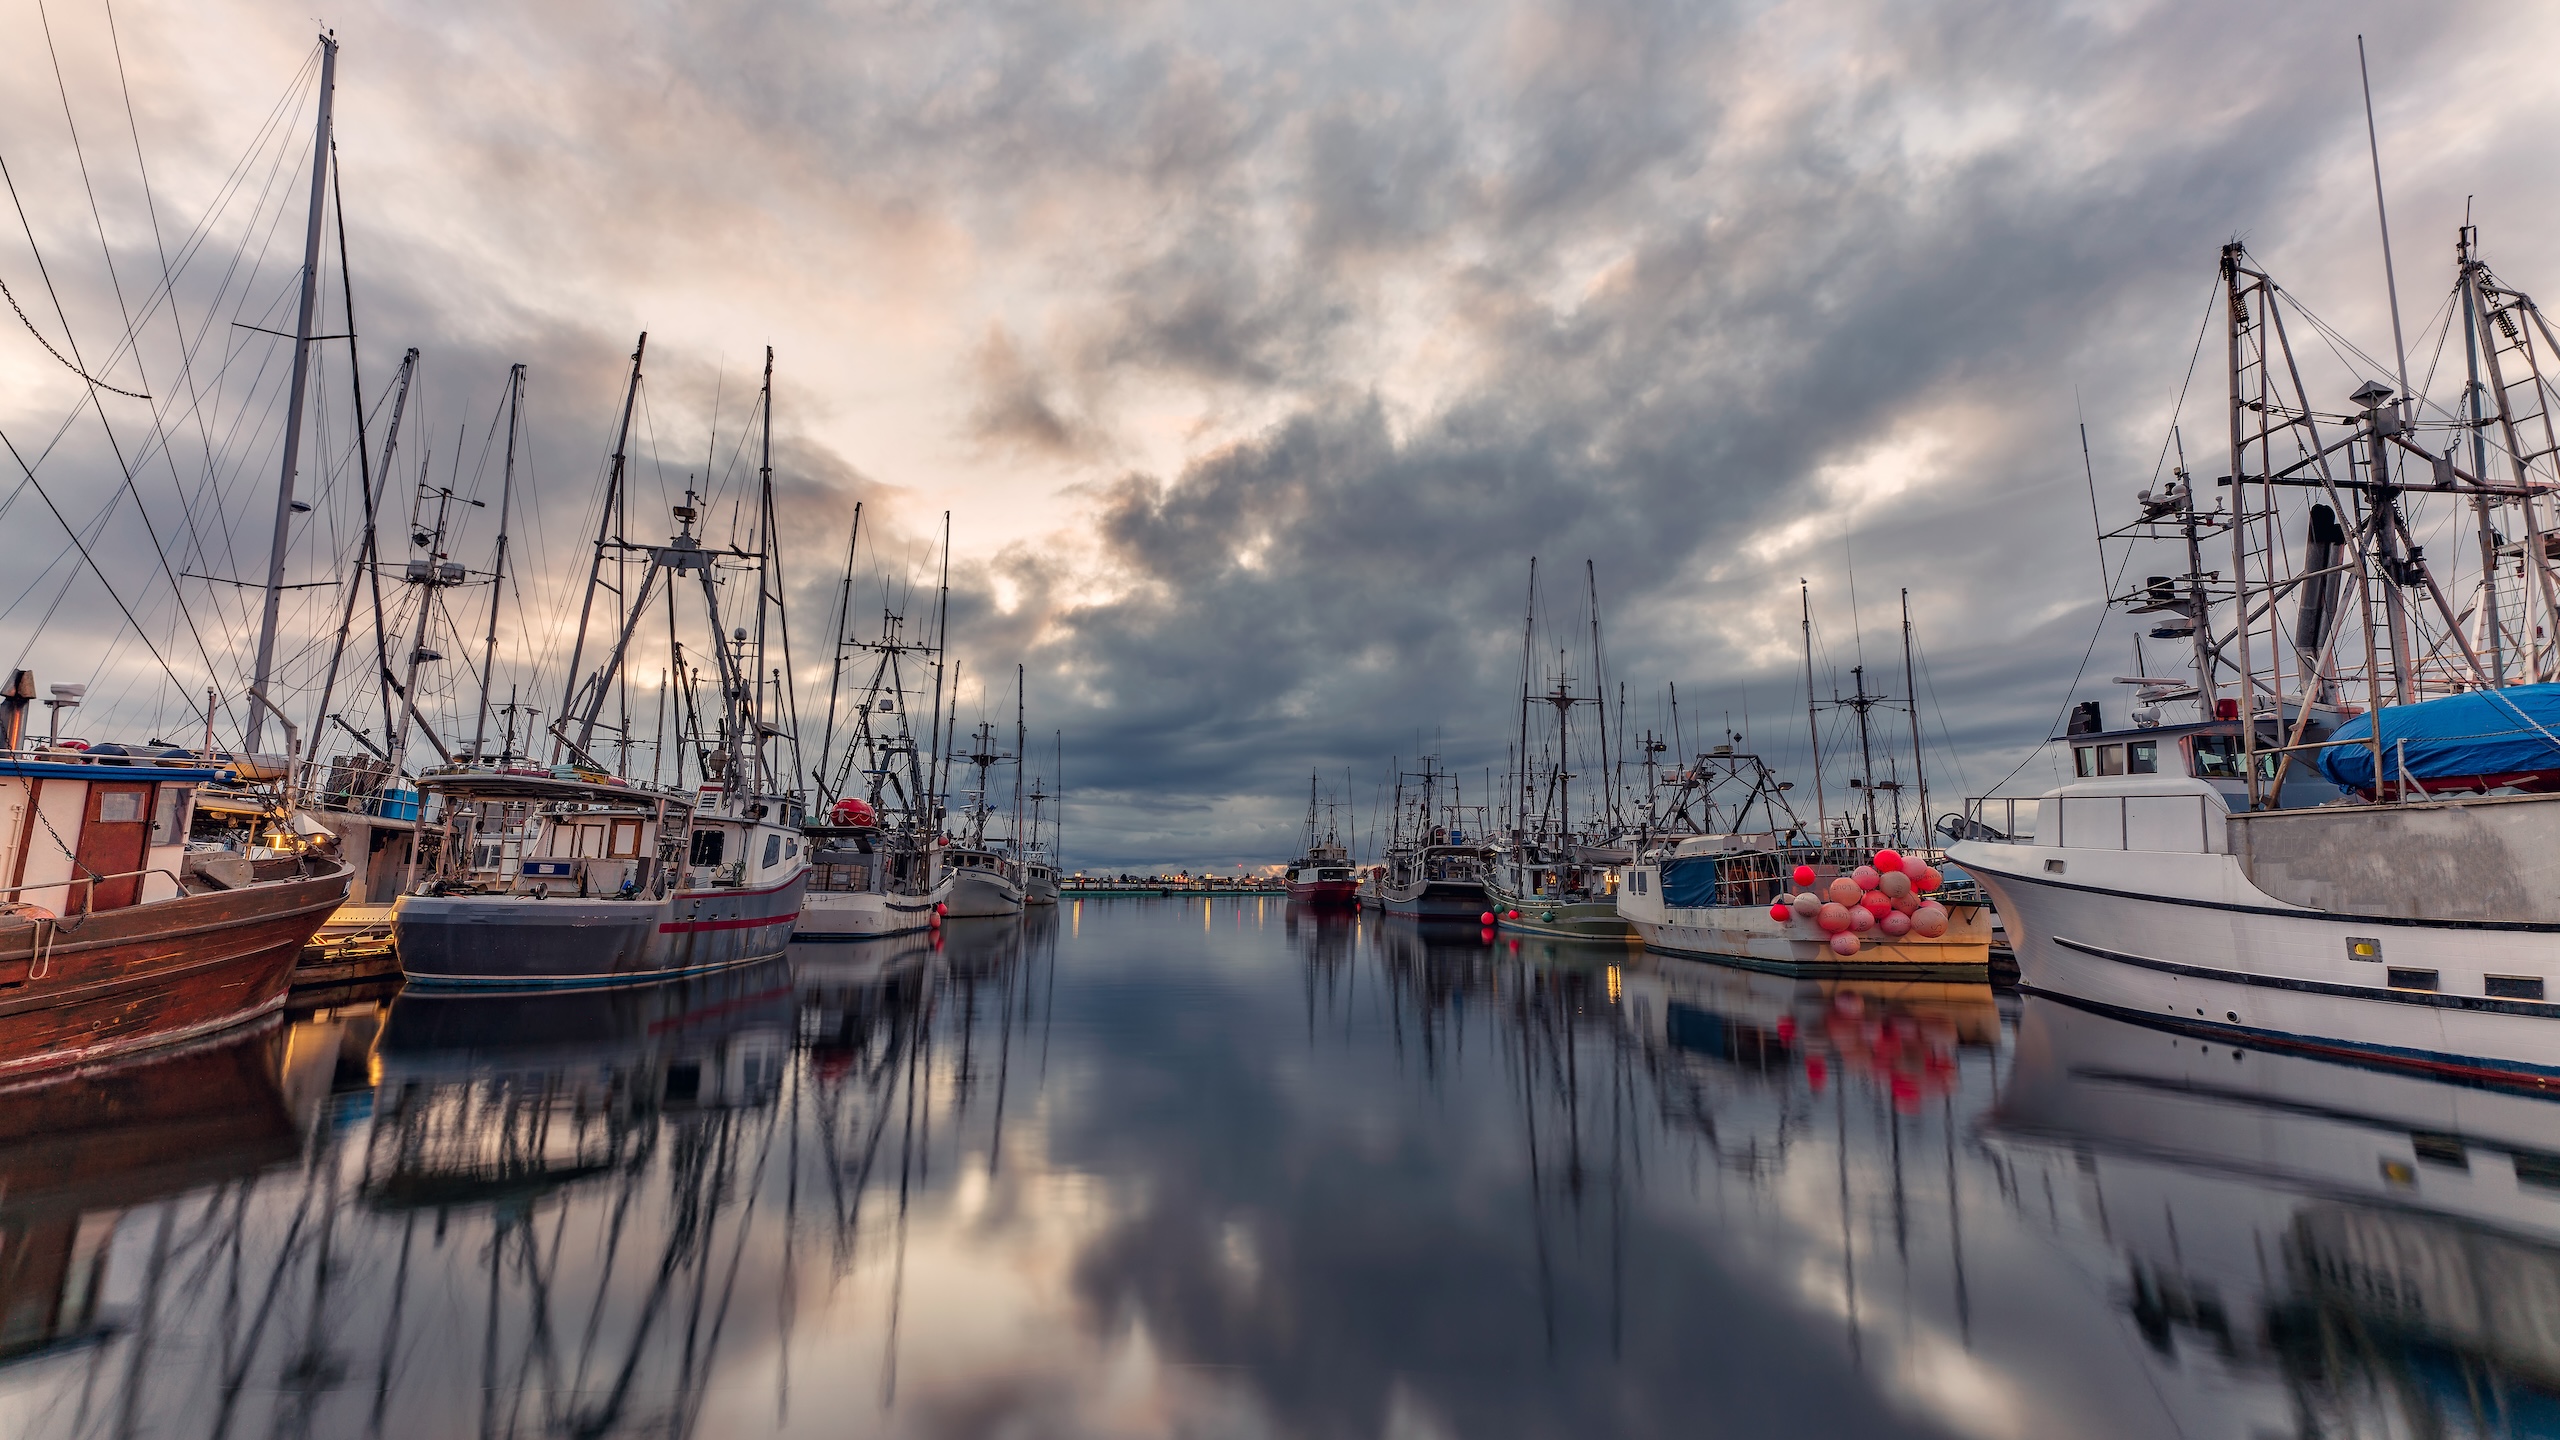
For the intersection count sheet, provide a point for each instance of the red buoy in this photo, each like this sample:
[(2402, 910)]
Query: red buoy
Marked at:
[(1485, 919), (941, 909), (1804, 877), (1888, 860), (1782, 912)]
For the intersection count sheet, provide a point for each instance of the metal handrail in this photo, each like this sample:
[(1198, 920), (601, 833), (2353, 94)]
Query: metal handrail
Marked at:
[(1978, 807)]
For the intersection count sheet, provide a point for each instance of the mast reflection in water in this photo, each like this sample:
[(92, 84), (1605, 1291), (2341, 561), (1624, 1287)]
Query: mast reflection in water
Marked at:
[(1181, 1167)]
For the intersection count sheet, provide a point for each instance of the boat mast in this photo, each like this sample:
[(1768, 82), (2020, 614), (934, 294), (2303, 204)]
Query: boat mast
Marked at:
[(1528, 646), (1812, 726), (604, 528), (498, 572), (844, 622), (1021, 738), (1911, 695), (368, 562), (1600, 701), (940, 770), (259, 701)]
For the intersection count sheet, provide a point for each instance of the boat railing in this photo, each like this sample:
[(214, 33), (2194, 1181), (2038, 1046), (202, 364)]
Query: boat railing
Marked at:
[(2177, 823), (89, 886)]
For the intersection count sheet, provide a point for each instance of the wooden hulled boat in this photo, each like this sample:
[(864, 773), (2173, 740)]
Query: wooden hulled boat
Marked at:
[(113, 939)]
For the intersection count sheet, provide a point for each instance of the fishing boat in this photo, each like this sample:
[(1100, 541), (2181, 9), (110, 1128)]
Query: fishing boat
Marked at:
[(2181, 877), (1557, 874), (872, 869), (1433, 871), (983, 875), (1039, 855), (1727, 869), (864, 882), (617, 883), (114, 938), (1322, 878)]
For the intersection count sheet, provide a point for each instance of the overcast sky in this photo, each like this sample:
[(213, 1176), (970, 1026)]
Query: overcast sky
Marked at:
[(1254, 350)]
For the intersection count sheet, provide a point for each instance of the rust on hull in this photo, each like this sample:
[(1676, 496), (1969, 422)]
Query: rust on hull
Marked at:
[(84, 989)]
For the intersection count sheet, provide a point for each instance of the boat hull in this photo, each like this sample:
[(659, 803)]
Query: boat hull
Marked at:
[(1750, 935), (2200, 948), (866, 914), (979, 894), (526, 942), (1448, 900), (1325, 894), (1560, 920), (123, 981)]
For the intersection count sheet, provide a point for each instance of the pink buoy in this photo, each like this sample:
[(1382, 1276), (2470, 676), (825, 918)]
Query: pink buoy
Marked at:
[(1928, 880), (1888, 861), (1894, 884), (1804, 877), (1895, 924), (1908, 903), (1845, 890), (1876, 903), (1861, 919), (1833, 917), (1866, 876), (1929, 921), (1844, 943)]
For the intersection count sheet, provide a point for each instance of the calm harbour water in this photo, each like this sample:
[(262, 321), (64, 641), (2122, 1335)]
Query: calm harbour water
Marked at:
[(1212, 1168)]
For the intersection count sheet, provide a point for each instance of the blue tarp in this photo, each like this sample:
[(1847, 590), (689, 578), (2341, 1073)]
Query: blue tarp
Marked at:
[(2482, 732), (1689, 883)]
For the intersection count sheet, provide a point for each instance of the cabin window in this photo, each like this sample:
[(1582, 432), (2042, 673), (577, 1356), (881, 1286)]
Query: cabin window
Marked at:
[(2142, 757), (2084, 760), (2110, 759), (169, 815), (2217, 757), (772, 851), (1640, 881), (626, 839), (119, 807), (708, 846), (2514, 987), (590, 841)]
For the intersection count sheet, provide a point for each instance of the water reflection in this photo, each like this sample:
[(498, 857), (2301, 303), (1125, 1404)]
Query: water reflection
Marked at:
[(2383, 1249), (1157, 1167)]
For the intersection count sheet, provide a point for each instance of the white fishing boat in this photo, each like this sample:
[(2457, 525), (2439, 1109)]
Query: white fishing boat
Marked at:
[(2411, 919), (872, 869)]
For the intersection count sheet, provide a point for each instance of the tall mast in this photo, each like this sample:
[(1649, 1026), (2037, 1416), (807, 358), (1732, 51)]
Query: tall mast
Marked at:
[(604, 528), (1911, 694), (2483, 512), (1021, 735), (941, 768), (259, 701), (1600, 701), (1812, 727), (844, 622), (2382, 218), (498, 571), (1528, 644), (367, 558)]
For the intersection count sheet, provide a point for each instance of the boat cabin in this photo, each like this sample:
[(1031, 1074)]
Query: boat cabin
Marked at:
[(550, 833), (741, 841), (100, 829), (2213, 751)]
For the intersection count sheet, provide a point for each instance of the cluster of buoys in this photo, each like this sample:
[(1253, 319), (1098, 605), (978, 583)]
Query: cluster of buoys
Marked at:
[(1888, 894)]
